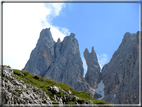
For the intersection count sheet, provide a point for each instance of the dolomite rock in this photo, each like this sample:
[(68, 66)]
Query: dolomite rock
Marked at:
[(16, 92), (97, 95), (42, 55), (93, 75), (121, 74), (54, 89), (59, 61)]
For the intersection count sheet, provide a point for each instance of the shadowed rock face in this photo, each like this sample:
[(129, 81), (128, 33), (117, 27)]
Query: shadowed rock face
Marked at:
[(59, 61), (121, 74), (93, 74)]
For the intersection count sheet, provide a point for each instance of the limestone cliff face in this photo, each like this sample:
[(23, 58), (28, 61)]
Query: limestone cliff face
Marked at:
[(43, 54), (121, 74), (93, 74), (59, 61), (68, 67)]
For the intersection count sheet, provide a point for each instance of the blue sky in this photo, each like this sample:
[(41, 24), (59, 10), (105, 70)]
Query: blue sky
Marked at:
[(101, 25)]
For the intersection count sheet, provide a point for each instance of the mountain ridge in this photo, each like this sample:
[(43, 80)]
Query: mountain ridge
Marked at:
[(20, 88), (121, 74), (61, 62)]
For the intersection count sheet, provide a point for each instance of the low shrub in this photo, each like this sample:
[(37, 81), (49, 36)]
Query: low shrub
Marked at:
[(17, 72), (26, 73), (37, 77)]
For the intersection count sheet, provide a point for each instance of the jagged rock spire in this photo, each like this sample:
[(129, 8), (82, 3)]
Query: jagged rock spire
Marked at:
[(93, 74), (59, 61), (121, 74)]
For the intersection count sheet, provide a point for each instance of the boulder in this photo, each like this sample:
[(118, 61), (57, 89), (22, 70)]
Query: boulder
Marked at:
[(54, 89)]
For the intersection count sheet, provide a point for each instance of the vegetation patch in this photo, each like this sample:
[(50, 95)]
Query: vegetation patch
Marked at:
[(45, 83), (25, 72), (17, 72), (56, 103)]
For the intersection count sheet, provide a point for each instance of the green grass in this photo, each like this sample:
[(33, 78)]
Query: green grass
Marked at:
[(45, 83)]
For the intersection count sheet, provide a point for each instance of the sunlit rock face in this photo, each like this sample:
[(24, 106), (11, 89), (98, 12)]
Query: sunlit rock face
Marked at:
[(42, 55), (59, 61), (93, 74), (121, 74)]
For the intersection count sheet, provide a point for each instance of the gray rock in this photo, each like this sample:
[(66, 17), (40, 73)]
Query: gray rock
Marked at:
[(54, 89), (84, 102), (69, 98), (59, 61), (69, 92), (97, 95), (43, 54), (16, 92), (76, 98), (93, 75), (121, 74)]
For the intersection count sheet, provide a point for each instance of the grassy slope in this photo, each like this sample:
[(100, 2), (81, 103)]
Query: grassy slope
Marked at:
[(44, 83)]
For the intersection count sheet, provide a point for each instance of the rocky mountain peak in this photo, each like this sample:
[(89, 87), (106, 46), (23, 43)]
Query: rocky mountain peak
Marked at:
[(92, 50), (59, 61), (46, 38), (86, 51), (93, 74), (42, 55), (58, 41), (121, 74), (46, 33), (72, 35)]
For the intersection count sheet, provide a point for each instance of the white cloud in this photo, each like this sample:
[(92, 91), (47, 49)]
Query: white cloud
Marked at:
[(64, 31), (22, 23), (102, 59), (55, 8)]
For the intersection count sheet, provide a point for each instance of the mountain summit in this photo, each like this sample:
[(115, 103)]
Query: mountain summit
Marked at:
[(121, 74), (59, 61), (93, 74)]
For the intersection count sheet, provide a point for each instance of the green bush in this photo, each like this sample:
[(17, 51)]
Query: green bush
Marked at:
[(8, 66), (26, 73), (37, 77), (45, 83), (17, 72)]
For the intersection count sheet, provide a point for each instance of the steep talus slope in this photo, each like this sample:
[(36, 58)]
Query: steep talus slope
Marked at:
[(121, 74), (20, 88), (59, 61), (93, 74)]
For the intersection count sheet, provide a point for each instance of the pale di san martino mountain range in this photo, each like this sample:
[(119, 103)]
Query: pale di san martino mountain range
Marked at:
[(61, 62)]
